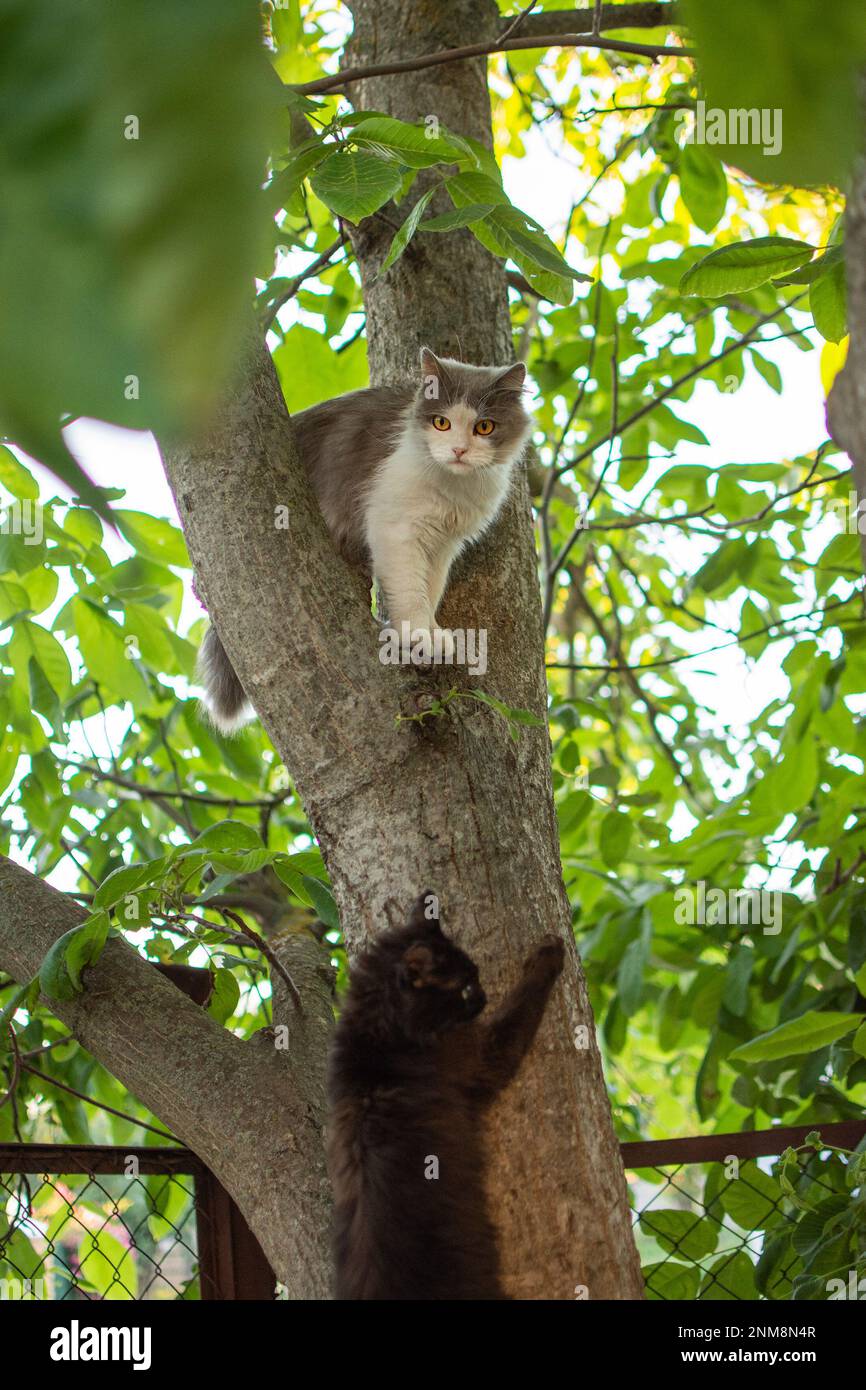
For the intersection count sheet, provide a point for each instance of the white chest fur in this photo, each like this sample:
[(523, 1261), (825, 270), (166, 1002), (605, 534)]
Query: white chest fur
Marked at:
[(419, 516)]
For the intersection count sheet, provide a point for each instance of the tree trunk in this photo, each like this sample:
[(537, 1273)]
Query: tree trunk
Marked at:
[(846, 405), (452, 803)]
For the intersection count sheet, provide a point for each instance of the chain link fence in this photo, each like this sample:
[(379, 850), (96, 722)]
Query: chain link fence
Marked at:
[(84, 1223), (95, 1236), (730, 1223), (712, 1221)]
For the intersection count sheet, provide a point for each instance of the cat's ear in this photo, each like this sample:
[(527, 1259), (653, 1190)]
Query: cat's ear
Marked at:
[(511, 378), (424, 916), (430, 364), (417, 966), (434, 374)]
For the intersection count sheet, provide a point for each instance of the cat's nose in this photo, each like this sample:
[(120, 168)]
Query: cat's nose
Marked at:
[(458, 453)]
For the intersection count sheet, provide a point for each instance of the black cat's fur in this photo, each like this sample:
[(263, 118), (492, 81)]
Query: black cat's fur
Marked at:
[(412, 1071)]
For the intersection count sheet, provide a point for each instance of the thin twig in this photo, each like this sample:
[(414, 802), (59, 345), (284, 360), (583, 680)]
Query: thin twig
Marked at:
[(266, 951), (98, 1104), (16, 1068), (517, 22), (82, 868), (326, 259), (202, 798), (613, 669)]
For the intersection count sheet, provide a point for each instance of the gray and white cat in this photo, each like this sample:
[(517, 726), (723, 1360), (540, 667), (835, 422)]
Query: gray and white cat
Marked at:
[(406, 477)]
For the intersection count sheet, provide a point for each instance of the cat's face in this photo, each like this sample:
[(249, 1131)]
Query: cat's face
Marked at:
[(437, 983), (471, 417)]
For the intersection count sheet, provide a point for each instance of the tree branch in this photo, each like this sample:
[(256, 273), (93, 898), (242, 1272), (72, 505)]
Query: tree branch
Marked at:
[(242, 1107), (272, 306), (343, 79), (630, 16)]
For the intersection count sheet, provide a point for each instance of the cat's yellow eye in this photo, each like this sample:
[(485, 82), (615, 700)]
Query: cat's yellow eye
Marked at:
[(441, 422), (484, 426)]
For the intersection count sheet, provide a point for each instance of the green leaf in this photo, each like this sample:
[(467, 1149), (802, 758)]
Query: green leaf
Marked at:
[(744, 265), (509, 713), (614, 838), (509, 233), (311, 371), (60, 971), (16, 478), (719, 568), (768, 369), (414, 145), (153, 538), (32, 642), (355, 184), (829, 304), (632, 970), (775, 1260), (731, 1277), (668, 1279), (108, 1266), (789, 782), (300, 165), (158, 127), (225, 996), (106, 657), (322, 900), (811, 1030), (42, 696), (17, 1000), (689, 1234), (407, 231), (798, 79), (703, 185), (460, 217), (241, 861), (752, 1198), (84, 525), (228, 834), (812, 270), (120, 882), (737, 976)]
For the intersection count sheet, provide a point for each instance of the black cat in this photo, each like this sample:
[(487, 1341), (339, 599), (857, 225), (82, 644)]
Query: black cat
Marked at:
[(411, 1074)]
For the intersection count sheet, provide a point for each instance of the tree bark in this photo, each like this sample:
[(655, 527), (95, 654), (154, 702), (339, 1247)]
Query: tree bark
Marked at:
[(846, 405), (644, 14), (252, 1112), (453, 803)]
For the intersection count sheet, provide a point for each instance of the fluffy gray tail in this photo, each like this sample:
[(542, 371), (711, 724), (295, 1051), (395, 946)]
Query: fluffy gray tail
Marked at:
[(225, 702)]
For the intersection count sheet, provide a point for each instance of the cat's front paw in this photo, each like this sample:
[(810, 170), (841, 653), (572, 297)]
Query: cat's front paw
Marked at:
[(547, 959), (428, 646)]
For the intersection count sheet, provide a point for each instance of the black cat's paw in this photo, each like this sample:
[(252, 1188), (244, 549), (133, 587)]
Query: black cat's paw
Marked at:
[(548, 958)]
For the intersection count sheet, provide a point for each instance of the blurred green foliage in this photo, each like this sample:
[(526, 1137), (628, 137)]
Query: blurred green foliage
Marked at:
[(671, 573)]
